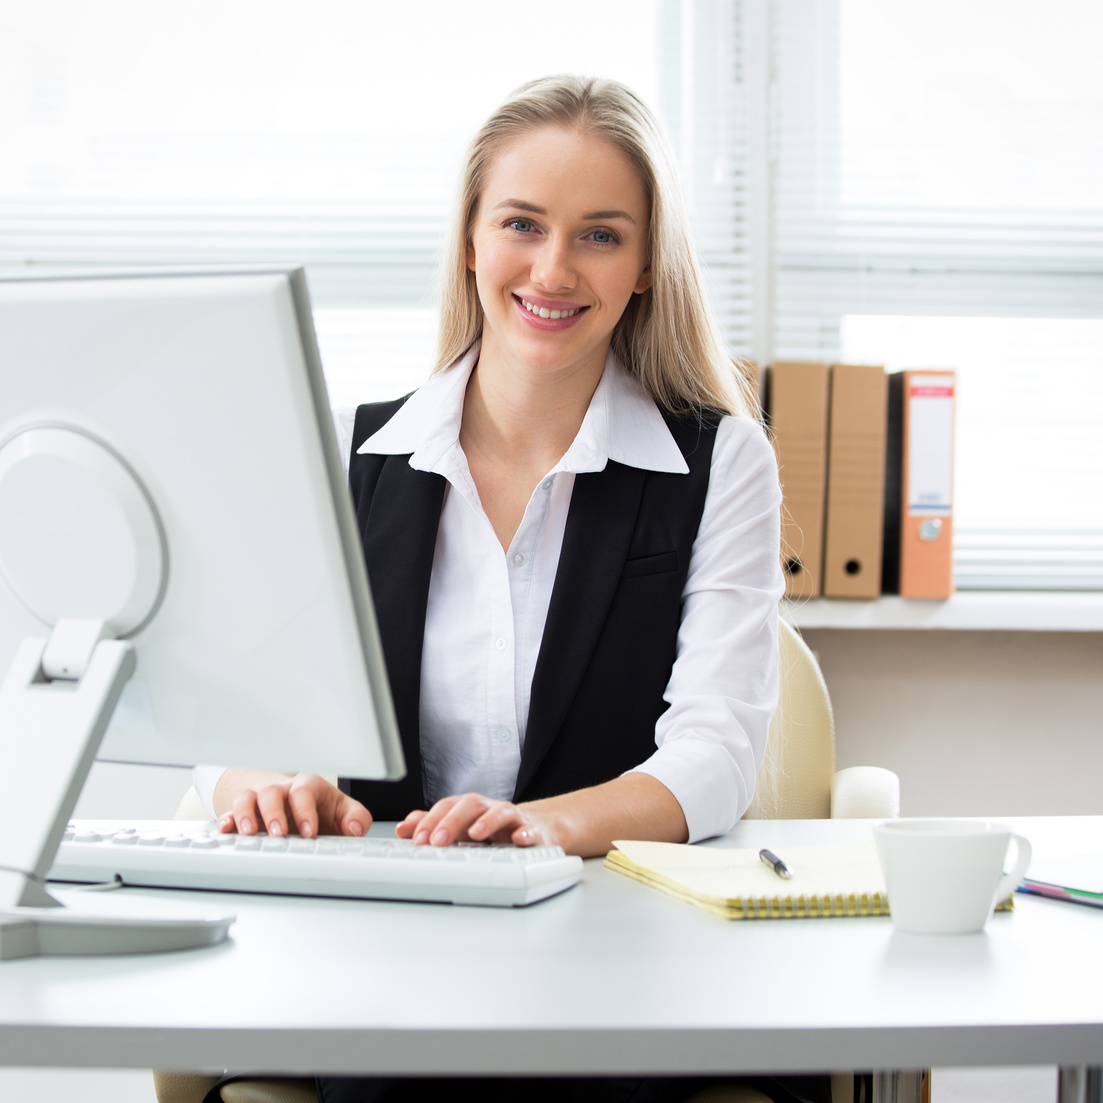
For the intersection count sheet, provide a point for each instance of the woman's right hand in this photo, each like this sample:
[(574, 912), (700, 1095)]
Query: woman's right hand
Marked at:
[(249, 801)]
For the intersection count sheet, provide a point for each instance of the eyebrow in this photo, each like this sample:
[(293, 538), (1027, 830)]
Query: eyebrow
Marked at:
[(521, 205)]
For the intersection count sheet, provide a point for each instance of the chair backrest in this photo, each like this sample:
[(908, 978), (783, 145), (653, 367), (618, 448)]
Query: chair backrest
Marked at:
[(795, 780)]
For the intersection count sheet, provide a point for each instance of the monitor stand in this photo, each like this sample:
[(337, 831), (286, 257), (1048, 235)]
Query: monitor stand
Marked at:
[(55, 704)]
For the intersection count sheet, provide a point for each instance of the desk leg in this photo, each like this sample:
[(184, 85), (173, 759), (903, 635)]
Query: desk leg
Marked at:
[(1080, 1084), (899, 1086)]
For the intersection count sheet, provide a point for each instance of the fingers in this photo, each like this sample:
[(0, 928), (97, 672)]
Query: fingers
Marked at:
[(350, 817), (306, 803), (244, 816), (507, 823), (272, 806), (469, 817), (320, 808), (406, 829), (302, 802)]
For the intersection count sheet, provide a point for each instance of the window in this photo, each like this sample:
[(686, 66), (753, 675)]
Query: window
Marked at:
[(937, 202), (889, 182), (260, 131)]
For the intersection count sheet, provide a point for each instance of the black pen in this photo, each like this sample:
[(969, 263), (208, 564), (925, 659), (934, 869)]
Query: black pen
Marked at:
[(775, 863)]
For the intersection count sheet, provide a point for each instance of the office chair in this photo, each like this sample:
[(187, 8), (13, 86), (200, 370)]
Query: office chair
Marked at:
[(798, 780)]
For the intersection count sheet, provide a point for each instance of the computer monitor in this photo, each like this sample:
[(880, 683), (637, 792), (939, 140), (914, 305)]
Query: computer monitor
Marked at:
[(172, 500)]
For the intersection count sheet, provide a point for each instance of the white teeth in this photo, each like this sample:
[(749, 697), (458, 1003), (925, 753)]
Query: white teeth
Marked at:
[(544, 312)]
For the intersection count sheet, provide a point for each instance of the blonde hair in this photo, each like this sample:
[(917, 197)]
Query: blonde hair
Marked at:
[(667, 337)]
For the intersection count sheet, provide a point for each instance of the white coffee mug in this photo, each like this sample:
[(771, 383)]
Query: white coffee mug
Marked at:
[(946, 876)]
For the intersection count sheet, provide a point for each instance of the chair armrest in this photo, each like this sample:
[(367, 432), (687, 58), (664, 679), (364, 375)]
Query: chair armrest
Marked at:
[(182, 1087), (865, 793)]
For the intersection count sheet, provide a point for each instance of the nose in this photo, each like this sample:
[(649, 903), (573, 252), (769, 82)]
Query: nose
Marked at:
[(551, 267)]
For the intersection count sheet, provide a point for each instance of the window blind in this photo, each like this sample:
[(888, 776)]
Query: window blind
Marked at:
[(911, 186), (935, 203)]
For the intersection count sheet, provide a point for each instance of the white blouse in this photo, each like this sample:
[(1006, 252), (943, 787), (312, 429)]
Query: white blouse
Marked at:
[(486, 609)]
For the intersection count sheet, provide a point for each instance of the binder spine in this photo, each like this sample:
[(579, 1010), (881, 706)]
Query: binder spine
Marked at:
[(926, 506), (894, 482), (796, 397), (855, 482)]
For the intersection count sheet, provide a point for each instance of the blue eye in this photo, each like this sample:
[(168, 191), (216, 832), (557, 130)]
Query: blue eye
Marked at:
[(603, 237), (521, 225)]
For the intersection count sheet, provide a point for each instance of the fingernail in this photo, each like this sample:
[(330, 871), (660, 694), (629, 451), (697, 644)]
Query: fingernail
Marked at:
[(421, 836), (356, 828), (246, 826), (440, 837), (275, 828), (225, 821), (306, 829), (524, 834)]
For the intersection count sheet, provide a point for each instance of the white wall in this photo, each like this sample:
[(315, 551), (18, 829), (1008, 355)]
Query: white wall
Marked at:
[(139, 792), (975, 723)]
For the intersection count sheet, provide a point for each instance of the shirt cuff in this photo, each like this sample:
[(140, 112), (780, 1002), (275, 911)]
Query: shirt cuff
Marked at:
[(205, 778), (705, 781)]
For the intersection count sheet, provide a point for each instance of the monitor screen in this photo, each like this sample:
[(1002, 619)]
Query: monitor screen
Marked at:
[(168, 467)]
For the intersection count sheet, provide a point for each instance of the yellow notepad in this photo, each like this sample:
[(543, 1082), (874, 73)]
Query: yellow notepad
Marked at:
[(838, 880)]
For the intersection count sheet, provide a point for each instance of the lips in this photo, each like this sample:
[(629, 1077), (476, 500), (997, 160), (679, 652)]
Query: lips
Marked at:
[(549, 315), (555, 313)]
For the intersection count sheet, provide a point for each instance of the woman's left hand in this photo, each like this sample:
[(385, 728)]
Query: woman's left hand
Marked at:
[(473, 817), (585, 822)]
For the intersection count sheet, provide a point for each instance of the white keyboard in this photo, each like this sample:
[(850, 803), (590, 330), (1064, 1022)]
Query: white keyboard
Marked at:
[(187, 855)]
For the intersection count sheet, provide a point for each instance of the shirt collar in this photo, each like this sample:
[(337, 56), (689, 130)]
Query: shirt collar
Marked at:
[(622, 424)]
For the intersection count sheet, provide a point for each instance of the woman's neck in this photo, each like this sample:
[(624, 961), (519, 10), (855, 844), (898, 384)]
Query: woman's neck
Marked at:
[(516, 427), (521, 418)]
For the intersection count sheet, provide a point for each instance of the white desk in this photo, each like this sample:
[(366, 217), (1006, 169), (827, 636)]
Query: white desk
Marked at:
[(610, 977)]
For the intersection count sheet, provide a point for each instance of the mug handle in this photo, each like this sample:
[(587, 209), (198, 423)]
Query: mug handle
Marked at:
[(1009, 882)]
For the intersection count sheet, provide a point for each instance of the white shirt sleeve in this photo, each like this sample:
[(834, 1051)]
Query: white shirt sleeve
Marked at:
[(724, 685), (205, 778)]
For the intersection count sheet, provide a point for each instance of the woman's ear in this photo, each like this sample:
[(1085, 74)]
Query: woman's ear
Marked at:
[(471, 256), (644, 282)]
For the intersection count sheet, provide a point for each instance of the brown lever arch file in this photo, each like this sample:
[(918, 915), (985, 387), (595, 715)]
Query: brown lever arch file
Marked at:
[(796, 399), (855, 481)]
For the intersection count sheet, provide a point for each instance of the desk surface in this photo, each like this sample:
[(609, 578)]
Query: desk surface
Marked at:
[(611, 976)]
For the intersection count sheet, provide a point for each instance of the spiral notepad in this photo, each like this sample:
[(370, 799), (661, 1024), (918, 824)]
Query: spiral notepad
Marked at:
[(837, 880)]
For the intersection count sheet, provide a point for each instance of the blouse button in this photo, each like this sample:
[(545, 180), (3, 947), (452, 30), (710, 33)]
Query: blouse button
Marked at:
[(547, 484), (500, 643), (503, 735), (519, 559)]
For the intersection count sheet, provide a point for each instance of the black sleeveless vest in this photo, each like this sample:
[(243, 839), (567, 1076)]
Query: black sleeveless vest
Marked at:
[(611, 634)]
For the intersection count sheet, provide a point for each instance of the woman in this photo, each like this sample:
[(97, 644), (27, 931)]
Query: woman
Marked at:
[(571, 531), (570, 249)]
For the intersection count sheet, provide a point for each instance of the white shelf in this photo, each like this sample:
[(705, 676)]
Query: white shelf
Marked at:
[(976, 610)]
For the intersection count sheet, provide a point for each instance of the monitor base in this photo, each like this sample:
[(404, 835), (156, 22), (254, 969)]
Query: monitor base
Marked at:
[(51, 725), (41, 932)]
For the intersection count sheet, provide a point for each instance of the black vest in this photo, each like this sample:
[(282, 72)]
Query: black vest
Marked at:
[(610, 638)]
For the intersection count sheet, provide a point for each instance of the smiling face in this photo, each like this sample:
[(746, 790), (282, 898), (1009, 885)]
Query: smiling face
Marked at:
[(558, 246)]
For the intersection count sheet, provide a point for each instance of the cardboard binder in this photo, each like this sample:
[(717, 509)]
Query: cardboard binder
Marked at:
[(855, 481), (796, 399), (919, 486)]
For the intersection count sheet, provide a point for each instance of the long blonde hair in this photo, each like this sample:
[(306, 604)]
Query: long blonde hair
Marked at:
[(667, 337)]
